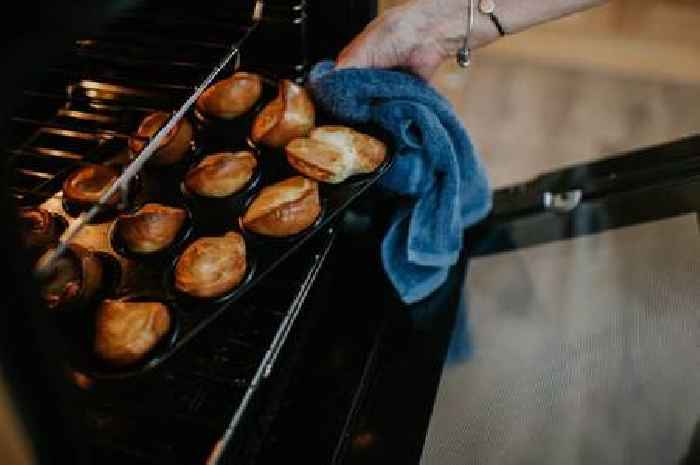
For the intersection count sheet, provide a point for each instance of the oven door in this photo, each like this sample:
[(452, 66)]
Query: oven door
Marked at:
[(582, 305), (366, 385)]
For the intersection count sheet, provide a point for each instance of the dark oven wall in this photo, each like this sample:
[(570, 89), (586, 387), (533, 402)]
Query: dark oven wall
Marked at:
[(335, 23), (34, 35)]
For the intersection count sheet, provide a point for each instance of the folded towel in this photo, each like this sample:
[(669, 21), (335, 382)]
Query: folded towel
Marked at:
[(435, 166)]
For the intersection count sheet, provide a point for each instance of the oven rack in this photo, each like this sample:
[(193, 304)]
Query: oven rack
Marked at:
[(94, 97), (135, 166)]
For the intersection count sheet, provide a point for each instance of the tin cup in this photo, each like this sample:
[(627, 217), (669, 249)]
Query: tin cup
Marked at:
[(212, 130), (218, 214), (157, 257), (104, 369), (193, 303)]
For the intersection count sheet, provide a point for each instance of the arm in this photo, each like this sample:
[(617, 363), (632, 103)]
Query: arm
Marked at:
[(421, 34)]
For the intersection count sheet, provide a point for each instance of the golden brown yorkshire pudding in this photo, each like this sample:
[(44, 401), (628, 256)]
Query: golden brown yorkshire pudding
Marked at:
[(151, 229), (221, 174), (86, 185), (211, 266), (174, 146), (73, 279), (284, 209), (290, 115), (39, 227), (230, 98), (334, 153), (127, 331)]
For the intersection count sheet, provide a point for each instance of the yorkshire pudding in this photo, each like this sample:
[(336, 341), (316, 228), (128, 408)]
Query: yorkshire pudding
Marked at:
[(230, 98), (291, 114), (211, 266), (85, 186), (73, 279), (126, 331), (221, 174), (151, 229), (284, 209), (174, 146), (39, 227), (334, 153)]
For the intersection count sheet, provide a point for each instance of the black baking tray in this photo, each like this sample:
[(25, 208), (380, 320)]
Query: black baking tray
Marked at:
[(152, 278)]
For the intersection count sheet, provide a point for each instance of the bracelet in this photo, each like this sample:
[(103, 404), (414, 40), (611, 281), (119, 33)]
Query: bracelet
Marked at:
[(487, 7), (464, 54)]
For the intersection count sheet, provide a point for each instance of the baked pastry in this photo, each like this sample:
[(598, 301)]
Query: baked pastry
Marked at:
[(85, 186), (174, 146), (211, 266), (126, 331), (39, 227), (73, 279), (230, 98), (284, 209), (221, 174), (152, 228), (291, 114), (334, 153)]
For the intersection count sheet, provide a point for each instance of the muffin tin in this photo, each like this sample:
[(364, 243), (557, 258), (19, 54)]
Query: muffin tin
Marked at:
[(151, 278)]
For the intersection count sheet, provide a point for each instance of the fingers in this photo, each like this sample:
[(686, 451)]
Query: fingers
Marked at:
[(424, 71), (424, 61)]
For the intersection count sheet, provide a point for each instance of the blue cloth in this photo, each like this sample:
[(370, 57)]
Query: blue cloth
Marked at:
[(435, 165)]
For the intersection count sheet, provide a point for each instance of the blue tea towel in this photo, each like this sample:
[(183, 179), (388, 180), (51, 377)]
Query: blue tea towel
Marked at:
[(435, 165)]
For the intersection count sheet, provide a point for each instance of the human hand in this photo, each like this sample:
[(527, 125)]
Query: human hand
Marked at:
[(418, 35)]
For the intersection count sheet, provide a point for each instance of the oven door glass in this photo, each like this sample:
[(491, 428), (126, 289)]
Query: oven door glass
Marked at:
[(583, 349)]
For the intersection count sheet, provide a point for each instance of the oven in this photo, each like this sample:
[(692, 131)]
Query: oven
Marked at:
[(319, 361), (312, 362)]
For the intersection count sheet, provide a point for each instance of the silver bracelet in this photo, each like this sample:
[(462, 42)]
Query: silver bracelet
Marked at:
[(487, 7), (464, 54)]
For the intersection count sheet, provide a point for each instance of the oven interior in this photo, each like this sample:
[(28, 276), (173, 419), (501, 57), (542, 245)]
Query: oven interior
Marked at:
[(334, 392)]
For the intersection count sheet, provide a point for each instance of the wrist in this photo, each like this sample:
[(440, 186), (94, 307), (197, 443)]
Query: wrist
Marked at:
[(444, 22)]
